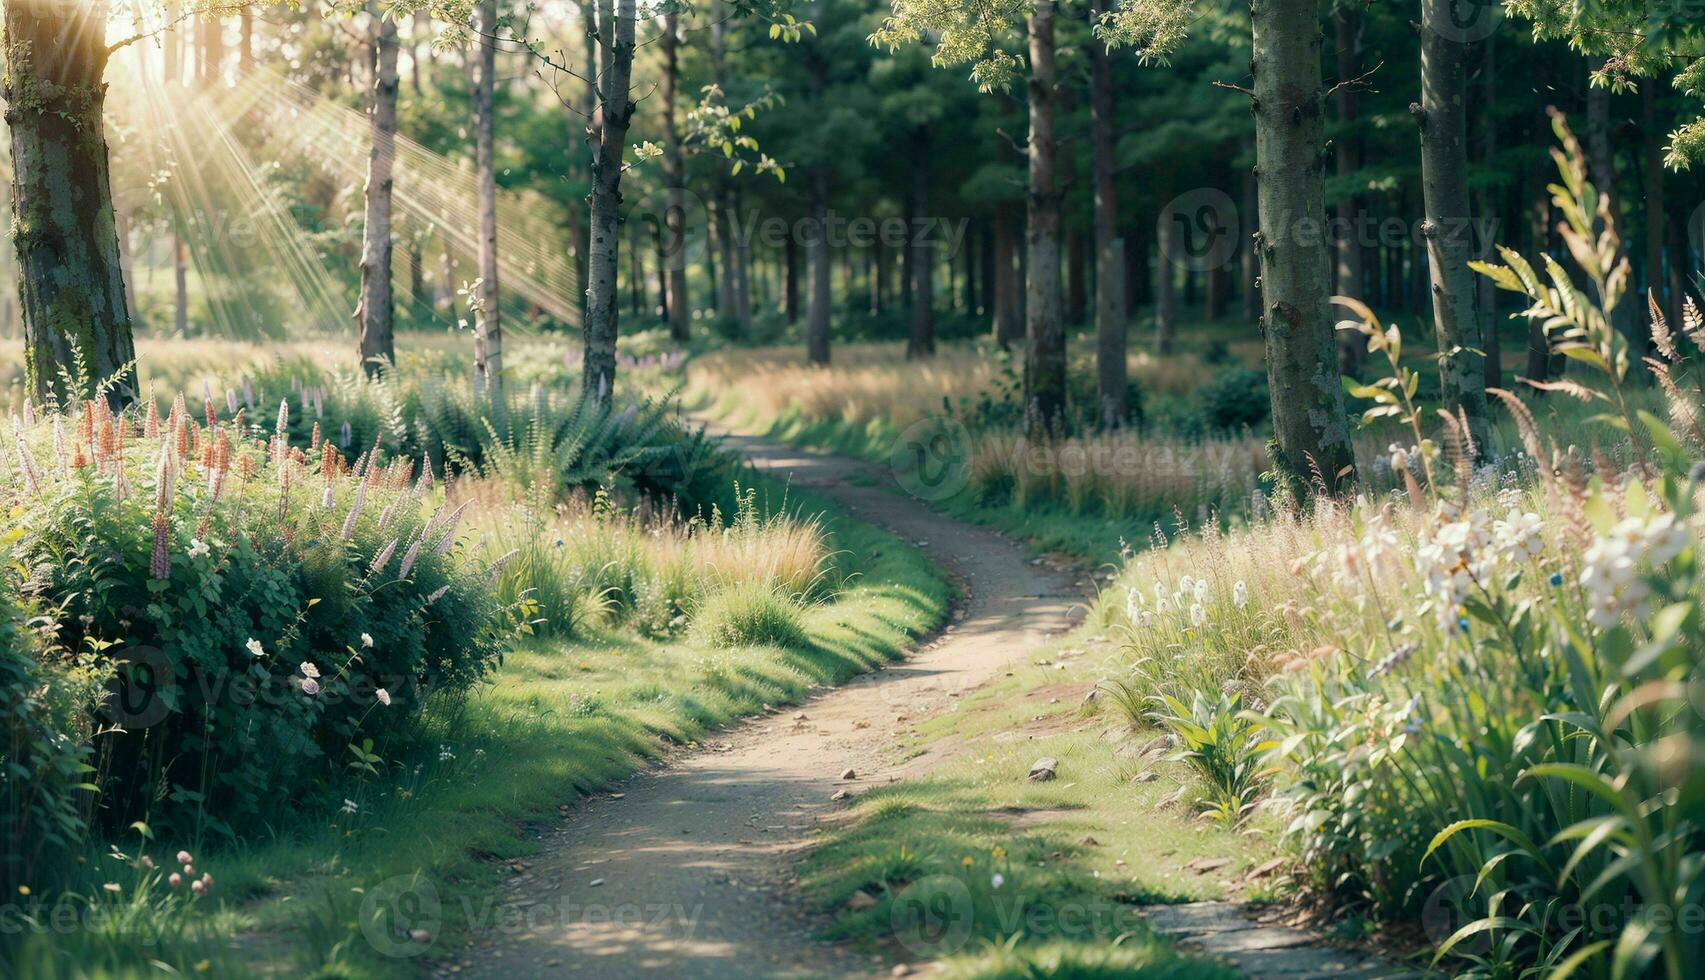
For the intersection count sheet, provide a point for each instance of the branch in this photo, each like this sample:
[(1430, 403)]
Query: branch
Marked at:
[(1360, 82), (1235, 88), (1017, 147)]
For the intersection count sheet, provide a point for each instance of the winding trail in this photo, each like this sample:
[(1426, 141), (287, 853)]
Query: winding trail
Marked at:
[(686, 870)]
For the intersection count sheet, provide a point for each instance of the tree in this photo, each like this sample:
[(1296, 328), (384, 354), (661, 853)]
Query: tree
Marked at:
[(963, 35), (70, 272), (674, 269), (1448, 228), (488, 324), (375, 312), (609, 131), (1311, 432), (921, 342), (1110, 341)]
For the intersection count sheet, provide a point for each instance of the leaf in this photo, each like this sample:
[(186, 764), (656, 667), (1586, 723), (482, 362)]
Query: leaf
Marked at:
[(1576, 959), (1504, 830)]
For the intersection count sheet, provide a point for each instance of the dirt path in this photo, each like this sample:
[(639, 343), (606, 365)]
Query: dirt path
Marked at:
[(686, 871)]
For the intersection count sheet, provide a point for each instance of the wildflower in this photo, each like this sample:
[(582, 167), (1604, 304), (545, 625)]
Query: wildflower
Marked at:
[(997, 881), (24, 890), (197, 547), (1198, 615), (207, 879), (183, 856), (175, 879), (309, 670), (1393, 660), (367, 641), (254, 650), (967, 862), (160, 564), (998, 852), (148, 862), (383, 696), (383, 558), (437, 594), (409, 556), (310, 686), (350, 806), (1518, 536), (326, 498), (198, 888), (1201, 590), (113, 886), (1240, 594), (1611, 574), (1556, 579), (444, 754)]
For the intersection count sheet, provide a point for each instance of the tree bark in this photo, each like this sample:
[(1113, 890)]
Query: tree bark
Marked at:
[(1485, 237), (180, 285), (1448, 226), (1310, 428), (1657, 213), (1601, 170), (1077, 278), (1165, 278), (921, 342), (1045, 336), (1249, 261), (817, 260), (1347, 19), (488, 321), (374, 314), (790, 281), (615, 112), (246, 42), (674, 268), (1008, 317), (70, 273), (1110, 316)]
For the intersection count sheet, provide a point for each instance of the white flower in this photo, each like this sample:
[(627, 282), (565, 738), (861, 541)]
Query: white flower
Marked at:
[(1201, 590), (1519, 537), (255, 647), (197, 548), (350, 806), (310, 686), (444, 753), (384, 696), (367, 641), (997, 881), (309, 670), (1198, 615), (1134, 604), (1240, 594)]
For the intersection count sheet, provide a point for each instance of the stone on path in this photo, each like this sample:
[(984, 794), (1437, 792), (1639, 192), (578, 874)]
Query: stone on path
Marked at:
[(1044, 769)]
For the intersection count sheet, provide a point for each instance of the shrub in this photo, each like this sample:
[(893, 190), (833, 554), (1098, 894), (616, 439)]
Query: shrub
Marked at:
[(750, 614), (262, 606), (1234, 400)]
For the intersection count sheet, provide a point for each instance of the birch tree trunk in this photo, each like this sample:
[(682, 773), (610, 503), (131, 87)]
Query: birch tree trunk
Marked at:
[(1110, 340), (615, 111), (1045, 336), (921, 343), (673, 268), (1448, 226), (488, 325), (1347, 35), (374, 313), (70, 274), (1310, 428)]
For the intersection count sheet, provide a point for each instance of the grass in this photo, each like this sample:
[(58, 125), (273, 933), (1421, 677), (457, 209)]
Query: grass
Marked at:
[(563, 718), (1077, 856)]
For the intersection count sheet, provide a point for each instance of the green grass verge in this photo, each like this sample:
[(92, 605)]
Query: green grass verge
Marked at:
[(560, 720), (1077, 856)]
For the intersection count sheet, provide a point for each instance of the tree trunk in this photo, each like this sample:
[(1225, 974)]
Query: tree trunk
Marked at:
[(742, 264), (985, 270), (673, 268), (374, 312), (615, 111), (1008, 317), (70, 275), (180, 285), (246, 43), (1249, 260), (1656, 211), (1077, 278), (817, 259), (873, 274), (1448, 227), (1310, 428), (790, 281), (1110, 341), (1165, 278), (488, 325), (1601, 170), (173, 43), (212, 48), (1045, 335), (1347, 32), (921, 343), (1486, 237)]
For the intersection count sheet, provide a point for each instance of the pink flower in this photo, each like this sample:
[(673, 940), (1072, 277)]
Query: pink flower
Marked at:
[(310, 686), (175, 880), (184, 858), (198, 888)]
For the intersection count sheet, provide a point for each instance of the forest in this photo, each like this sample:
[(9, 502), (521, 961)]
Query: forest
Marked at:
[(745, 488)]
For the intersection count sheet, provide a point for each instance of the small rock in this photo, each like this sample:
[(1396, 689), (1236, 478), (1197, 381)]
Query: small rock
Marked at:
[(900, 970), (1146, 776), (861, 900), (1089, 841), (1202, 866), (618, 796), (420, 936), (1093, 696), (1043, 769), (595, 882), (1265, 868), (840, 794), (848, 774), (799, 717)]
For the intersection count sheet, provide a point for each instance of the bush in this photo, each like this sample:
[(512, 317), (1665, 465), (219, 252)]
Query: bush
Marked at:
[(262, 607), (1234, 400), (751, 614)]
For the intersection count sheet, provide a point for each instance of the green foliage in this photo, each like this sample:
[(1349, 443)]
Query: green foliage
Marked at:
[(750, 614), (1236, 399), (1222, 742)]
